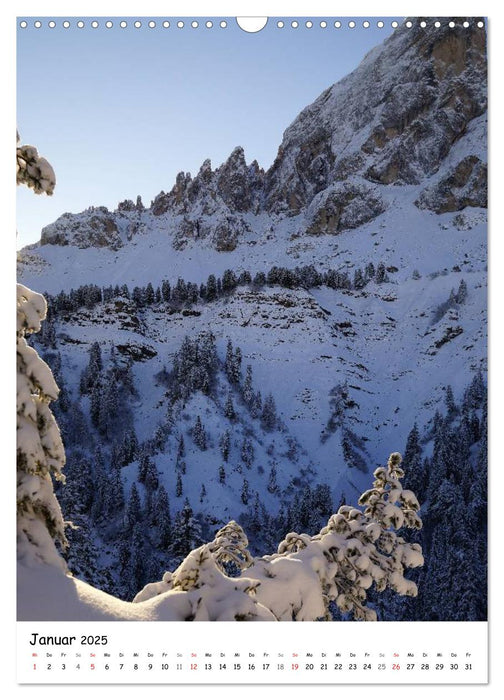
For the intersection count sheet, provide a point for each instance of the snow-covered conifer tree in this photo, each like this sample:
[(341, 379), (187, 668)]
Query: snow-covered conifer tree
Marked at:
[(186, 531), (245, 492), (95, 405), (113, 497), (40, 452), (236, 366), (450, 402), (179, 292), (137, 296), (259, 280), (133, 509), (357, 548), (181, 447), (244, 278), (247, 453), (151, 476), (143, 466), (163, 518), (109, 409), (370, 271), (129, 450), (199, 434), (165, 290), (229, 410), (211, 288), (229, 281), (138, 562), (248, 390), (225, 444), (149, 294), (256, 405), (233, 362), (272, 480), (359, 281), (381, 274), (268, 415), (414, 467), (228, 363)]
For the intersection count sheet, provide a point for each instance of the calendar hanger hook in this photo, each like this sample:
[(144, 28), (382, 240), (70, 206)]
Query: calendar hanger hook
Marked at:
[(252, 24)]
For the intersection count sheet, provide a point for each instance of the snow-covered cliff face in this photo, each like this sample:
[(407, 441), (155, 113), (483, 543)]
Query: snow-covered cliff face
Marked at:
[(395, 120)]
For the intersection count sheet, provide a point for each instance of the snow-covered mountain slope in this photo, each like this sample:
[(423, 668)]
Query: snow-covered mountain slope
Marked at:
[(388, 166), (382, 342)]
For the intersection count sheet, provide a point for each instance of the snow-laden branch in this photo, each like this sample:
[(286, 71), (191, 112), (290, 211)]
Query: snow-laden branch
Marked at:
[(33, 170), (356, 549)]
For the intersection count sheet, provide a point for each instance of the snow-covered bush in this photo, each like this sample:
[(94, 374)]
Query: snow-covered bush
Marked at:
[(356, 549), (40, 452)]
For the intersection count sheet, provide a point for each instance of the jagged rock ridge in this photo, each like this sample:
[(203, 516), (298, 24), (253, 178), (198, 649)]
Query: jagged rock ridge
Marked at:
[(393, 121)]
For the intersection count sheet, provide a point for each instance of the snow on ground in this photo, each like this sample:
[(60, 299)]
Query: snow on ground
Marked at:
[(300, 345)]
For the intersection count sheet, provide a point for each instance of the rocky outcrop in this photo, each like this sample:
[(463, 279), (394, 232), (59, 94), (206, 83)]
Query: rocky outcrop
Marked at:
[(238, 184), (343, 206), (393, 120), (96, 227), (234, 185), (465, 185), (129, 206), (227, 233), (211, 205)]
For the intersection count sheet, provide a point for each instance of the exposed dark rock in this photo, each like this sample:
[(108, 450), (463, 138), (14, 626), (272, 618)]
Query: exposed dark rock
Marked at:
[(236, 183), (138, 353), (464, 186), (225, 237), (126, 205), (96, 228), (393, 120), (449, 334), (343, 206)]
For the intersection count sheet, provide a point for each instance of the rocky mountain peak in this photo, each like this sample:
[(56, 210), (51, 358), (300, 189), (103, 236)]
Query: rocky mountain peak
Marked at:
[(392, 121), (236, 159), (237, 184), (127, 205), (395, 120), (205, 172)]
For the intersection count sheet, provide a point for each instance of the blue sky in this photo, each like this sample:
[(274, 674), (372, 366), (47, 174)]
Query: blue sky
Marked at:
[(119, 111)]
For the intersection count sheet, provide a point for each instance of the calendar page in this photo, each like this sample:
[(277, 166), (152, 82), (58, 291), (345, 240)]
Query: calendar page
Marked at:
[(251, 350)]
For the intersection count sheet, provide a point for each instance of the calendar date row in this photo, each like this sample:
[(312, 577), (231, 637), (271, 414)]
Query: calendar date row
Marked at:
[(195, 667)]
